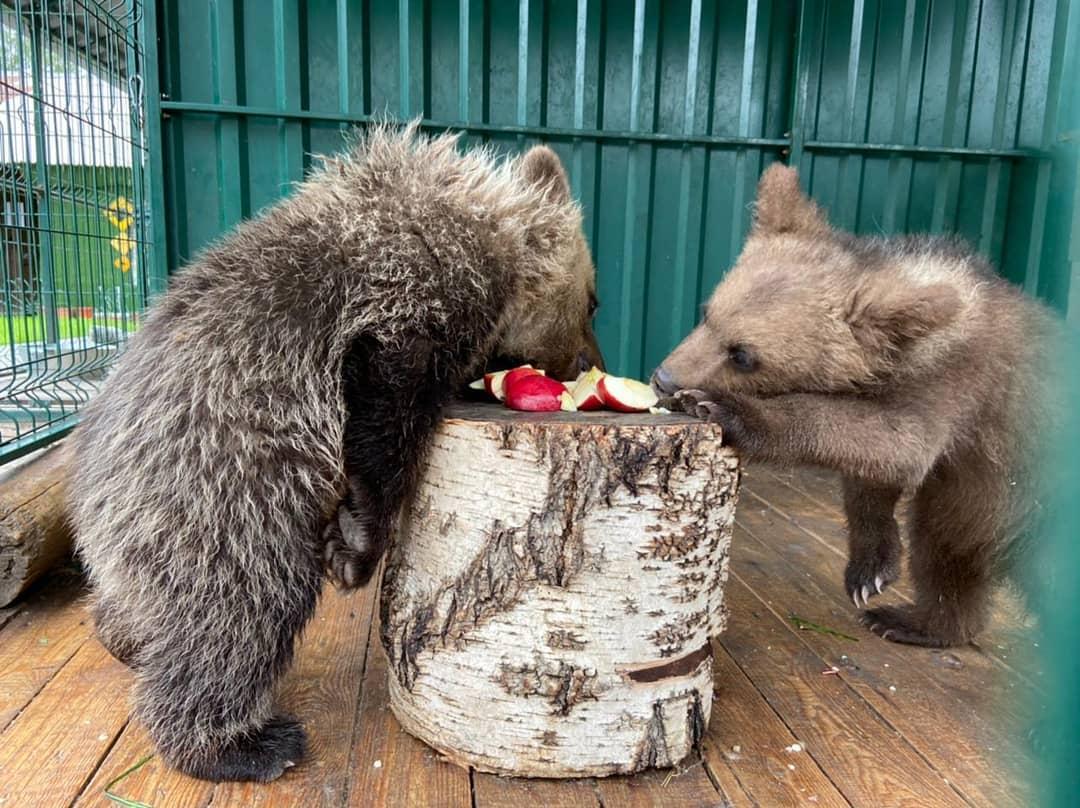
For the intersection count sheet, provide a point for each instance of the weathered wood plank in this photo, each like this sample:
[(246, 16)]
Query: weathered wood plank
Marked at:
[(49, 752), (956, 707), (388, 766), (747, 747), (865, 757), (493, 791), (153, 783), (40, 638), (686, 785), (814, 505), (322, 691)]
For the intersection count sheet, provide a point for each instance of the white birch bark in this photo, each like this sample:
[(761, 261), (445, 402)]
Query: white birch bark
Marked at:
[(547, 608)]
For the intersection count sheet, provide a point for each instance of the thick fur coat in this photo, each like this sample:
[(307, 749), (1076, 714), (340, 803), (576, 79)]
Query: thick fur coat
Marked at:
[(904, 363), (298, 366)]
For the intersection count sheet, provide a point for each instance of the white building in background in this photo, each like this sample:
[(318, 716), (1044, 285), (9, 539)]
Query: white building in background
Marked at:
[(87, 120)]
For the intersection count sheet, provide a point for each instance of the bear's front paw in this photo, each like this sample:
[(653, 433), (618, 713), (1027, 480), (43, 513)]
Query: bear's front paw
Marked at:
[(869, 573), (347, 549), (735, 414)]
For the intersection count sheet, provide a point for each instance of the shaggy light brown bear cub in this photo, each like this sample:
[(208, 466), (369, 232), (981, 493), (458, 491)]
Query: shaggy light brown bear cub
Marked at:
[(302, 360), (903, 363)]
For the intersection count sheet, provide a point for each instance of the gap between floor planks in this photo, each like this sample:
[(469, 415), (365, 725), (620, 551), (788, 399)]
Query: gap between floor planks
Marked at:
[(811, 500)]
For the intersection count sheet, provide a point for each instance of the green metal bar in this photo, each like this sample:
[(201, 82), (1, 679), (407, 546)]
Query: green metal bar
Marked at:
[(580, 33), (37, 438), (287, 91), (523, 63), (404, 56), (740, 190), (806, 38), (682, 309), (540, 132), (48, 281), (990, 235), (231, 167), (930, 151), (947, 178), (158, 271), (892, 189), (463, 60), (630, 230)]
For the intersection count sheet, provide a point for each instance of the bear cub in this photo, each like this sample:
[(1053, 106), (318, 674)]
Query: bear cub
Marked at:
[(264, 426), (905, 364)]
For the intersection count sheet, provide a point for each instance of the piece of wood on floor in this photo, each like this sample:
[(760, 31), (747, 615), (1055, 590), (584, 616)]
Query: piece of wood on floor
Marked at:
[(493, 791), (748, 748), (45, 633), (49, 752), (388, 766), (864, 756), (814, 504), (322, 691), (956, 707)]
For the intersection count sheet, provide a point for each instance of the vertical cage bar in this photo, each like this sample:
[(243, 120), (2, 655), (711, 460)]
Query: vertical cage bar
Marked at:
[(628, 287), (48, 280), (681, 319), (463, 60), (522, 111), (404, 59)]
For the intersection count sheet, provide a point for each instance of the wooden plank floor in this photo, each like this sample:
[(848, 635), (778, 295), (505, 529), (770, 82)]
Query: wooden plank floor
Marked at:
[(799, 717)]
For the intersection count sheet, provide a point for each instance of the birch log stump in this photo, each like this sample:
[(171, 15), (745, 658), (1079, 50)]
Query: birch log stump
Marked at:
[(547, 609)]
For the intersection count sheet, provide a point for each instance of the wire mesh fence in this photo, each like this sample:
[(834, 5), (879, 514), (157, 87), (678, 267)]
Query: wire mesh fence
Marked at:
[(73, 219)]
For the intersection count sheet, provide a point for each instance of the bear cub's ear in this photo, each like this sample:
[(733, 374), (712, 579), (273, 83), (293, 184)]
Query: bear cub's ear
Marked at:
[(542, 166), (886, 315), (782, 207)]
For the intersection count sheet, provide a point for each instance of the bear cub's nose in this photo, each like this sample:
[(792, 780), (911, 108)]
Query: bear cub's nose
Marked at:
[(662, 381)]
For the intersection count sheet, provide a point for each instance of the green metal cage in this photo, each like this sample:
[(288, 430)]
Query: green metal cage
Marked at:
[(72, 185), (133, 133)]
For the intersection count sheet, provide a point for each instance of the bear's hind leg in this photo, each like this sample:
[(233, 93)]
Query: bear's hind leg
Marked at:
[(205, 685)]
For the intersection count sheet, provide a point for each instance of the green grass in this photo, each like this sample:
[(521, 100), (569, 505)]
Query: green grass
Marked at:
[(32, 329)]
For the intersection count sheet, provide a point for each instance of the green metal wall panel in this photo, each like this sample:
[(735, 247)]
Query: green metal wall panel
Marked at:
[(902, 116)]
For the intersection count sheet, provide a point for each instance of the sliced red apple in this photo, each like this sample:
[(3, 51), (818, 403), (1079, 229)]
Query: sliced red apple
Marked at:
[(586, 395), (626, 395), (520, 373), (495, 383), (536, 393)]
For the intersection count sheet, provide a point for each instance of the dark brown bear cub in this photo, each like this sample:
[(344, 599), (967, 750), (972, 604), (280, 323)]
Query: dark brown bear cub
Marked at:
[(904, 364), (302, 360)]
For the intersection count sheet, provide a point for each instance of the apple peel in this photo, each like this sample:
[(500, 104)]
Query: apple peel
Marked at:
[(536, 393)]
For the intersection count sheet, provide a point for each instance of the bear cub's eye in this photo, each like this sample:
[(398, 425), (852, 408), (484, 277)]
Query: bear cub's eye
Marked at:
[(594, 304), (741, 358)]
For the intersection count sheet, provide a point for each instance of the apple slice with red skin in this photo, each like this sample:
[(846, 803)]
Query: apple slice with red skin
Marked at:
[(495, 383), (536, 393), (586, 394), (626, 395), (512, 376)]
